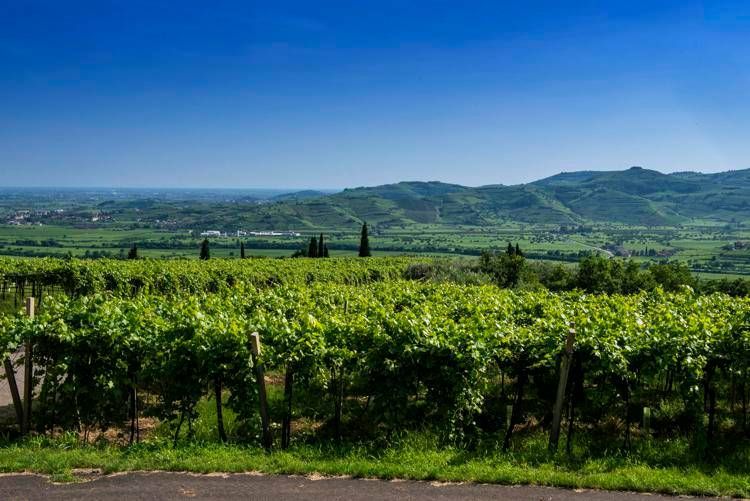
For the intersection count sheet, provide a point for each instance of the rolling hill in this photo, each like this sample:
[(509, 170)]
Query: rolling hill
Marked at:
[(635, 196)]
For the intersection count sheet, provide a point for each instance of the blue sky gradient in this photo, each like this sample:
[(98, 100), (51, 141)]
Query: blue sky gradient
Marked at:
[(340, 94)]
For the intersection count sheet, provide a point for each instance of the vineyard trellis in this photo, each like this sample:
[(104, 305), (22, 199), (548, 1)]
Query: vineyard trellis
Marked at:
[(401, 353)]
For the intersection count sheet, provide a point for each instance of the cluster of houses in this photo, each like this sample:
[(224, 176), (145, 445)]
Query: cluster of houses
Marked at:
[(242, 233), (735, 246), (28, 217)]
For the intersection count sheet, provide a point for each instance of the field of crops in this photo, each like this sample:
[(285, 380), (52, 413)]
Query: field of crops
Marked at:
[(363, 353)]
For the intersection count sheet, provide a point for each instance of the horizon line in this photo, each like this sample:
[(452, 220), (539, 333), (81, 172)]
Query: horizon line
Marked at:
[(334, 190)]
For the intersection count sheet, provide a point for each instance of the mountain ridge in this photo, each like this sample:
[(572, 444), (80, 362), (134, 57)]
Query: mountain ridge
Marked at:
[(632, 196)]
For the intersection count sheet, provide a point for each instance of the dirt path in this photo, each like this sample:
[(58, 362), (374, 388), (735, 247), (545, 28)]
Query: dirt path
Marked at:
[(162, 485)]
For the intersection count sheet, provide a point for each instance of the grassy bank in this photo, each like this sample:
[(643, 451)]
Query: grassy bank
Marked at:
[(416, 456)]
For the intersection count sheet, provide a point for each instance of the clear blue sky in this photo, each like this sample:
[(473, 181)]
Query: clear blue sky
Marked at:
[(351, 93)]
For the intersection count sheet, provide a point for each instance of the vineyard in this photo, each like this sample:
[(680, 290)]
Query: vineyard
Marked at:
[(357, 352), (77, 277)]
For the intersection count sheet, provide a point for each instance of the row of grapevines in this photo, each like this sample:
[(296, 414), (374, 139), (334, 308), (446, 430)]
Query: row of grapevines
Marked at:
[(82, 277), (399, 352)]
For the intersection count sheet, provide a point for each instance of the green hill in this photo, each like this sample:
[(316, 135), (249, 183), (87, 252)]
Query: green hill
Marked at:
[(635, 196)]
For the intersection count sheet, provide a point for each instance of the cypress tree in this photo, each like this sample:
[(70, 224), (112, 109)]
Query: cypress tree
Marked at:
[(205, 252), (312, 249), (321, 245), (518, 250), (364, 243), (510, 250), (325, 251), (133, 252), (242, 250)]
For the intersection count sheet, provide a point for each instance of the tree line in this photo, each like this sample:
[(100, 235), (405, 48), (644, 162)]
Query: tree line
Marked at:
[(511, 269), (593, 273), (317, 248)]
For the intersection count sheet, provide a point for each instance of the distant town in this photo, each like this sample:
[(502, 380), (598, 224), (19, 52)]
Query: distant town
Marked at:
[(242, 233), (36, 218)]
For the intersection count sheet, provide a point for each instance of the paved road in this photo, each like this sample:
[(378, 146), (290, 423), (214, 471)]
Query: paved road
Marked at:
[(161, 485)]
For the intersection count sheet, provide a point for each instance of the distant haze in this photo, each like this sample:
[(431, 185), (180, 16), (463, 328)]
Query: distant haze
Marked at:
[(239, 94)]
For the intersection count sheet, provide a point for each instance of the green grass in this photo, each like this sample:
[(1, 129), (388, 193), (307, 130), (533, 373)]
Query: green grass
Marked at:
[(671, 466), (665, 465), (416, 456)]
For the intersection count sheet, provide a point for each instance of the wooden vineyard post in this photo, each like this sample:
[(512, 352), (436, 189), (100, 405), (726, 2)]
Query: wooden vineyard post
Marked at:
[(647, 420), (508, 415), (260, 377), (10, 374), (286, 425), (554, 436), (28, 372)]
